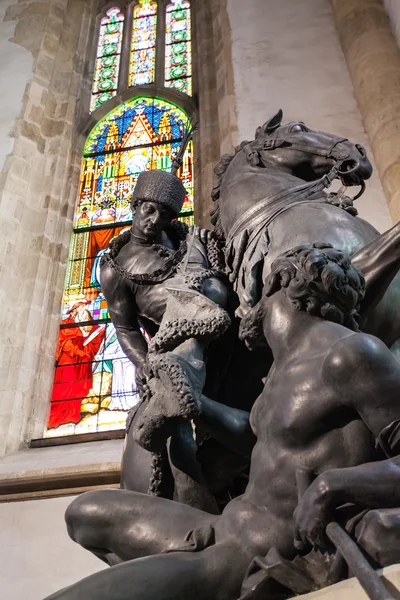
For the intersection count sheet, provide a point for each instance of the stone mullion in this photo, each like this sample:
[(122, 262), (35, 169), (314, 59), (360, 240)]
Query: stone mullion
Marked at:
[(123, 82), (160, 44)]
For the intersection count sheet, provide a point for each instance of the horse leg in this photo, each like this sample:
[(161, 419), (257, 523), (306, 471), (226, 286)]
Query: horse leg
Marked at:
[(379, 262)]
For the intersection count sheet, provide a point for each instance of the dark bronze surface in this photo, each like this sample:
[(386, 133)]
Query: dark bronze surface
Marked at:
[(317, 396)]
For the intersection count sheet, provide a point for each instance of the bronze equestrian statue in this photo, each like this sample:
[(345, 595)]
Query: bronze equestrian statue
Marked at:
[(261, 180), (328, 395)]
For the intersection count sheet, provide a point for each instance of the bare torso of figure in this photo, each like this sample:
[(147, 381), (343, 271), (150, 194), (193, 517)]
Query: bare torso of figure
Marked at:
[(302, 420)]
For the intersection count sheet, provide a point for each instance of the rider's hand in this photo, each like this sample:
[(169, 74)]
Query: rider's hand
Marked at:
[(204, 235), (312, 515), (142, 377)]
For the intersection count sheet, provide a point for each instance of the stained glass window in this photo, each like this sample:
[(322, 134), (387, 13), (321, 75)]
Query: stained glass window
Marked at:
[(143, 45), (178, 57), (108, 58), (94, 382)]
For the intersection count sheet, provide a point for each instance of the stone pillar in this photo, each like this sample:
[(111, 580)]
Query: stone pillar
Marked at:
[(373, 58)]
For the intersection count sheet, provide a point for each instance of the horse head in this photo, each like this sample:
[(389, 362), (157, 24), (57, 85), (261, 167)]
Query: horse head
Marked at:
[(307, 154), (282, 157)]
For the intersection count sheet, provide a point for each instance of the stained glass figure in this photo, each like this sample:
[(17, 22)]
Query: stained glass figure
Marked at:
[(94, 382), (143, 46), (108, 58), (178, 50)]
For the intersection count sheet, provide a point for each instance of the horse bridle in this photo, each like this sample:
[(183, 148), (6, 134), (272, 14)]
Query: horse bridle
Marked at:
[(339, 155)]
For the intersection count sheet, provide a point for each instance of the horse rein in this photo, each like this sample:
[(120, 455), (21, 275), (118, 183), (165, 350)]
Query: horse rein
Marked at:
[(338, 155), (303, 192)]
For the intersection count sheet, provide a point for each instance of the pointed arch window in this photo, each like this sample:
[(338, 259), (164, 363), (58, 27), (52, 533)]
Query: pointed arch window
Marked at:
[(94, 383), (178, 47), (142, 64), (108, 58), (141, 50), (147, 43)]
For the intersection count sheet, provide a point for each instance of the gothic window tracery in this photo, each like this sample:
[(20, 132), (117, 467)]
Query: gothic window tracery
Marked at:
[(94, 383), (178, 55), (108, 58), (143, 45)]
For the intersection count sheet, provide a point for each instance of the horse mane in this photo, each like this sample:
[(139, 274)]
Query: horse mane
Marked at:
[(220, 170)]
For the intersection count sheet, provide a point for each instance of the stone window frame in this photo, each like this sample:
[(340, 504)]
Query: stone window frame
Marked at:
[(87, 120), (124, 92)]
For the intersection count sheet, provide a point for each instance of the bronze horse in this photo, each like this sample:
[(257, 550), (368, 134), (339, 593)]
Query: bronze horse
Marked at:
[(270, 197)]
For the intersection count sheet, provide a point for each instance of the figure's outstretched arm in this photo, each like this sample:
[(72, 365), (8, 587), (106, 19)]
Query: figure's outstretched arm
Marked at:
[(372, 485), (379, 262), (230, 426)]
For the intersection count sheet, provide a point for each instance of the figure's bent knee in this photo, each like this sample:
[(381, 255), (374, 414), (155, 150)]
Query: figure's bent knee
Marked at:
[(85, 515)]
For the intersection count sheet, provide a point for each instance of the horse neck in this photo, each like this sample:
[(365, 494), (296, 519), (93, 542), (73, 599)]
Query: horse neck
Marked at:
[(245, 185)]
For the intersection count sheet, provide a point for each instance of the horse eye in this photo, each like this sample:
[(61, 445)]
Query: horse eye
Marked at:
[(296, 128)]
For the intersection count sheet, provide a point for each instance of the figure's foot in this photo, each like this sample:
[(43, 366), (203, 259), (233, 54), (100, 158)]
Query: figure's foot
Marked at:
[(175, 397)]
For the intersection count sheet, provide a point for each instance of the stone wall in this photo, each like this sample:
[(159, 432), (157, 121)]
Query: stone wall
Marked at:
[(38, 186), (207, 143), (287, 55), (393, 10), (15, 73), (37, 557)]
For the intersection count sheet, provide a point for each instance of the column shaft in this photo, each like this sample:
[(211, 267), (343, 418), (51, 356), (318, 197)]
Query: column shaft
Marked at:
[(373, 58)]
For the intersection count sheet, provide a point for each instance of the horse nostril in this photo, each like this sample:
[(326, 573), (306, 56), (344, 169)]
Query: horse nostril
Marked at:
[(361, 150)]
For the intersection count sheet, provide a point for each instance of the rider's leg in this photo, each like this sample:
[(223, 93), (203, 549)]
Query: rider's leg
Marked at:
[(129, 524), (216, 572), (190, 485)]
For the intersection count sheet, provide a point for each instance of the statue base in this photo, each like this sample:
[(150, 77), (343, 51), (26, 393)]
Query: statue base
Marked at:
[(350, 589)]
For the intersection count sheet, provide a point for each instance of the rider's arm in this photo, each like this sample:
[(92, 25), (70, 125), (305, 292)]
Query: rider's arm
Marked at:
[(122, 308), (230, 426)]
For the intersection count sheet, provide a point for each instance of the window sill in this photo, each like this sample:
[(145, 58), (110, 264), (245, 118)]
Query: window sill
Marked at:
[(63, 440), (60, 470)]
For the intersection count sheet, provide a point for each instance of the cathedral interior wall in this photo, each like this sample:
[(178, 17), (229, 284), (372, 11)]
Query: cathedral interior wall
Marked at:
[(287, 55), (16, 71), (393, 10), (38, 186), (37, 557)]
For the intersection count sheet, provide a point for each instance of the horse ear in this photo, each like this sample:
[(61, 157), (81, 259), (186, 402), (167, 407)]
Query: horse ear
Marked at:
[(273, 123)]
